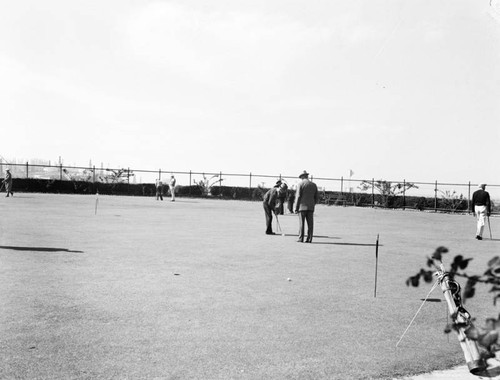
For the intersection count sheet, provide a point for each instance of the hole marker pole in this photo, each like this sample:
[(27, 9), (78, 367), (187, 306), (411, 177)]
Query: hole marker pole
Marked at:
[(96, 201), (376, 267)]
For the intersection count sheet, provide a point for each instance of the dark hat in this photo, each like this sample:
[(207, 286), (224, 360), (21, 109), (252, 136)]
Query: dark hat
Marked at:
[(304, 175), (278, 183)]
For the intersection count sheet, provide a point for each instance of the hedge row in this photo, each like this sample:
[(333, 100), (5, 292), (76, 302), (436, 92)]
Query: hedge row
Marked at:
[(228, 192), (33, 185), (378, 200)]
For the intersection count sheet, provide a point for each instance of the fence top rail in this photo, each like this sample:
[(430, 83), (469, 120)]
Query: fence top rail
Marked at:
[(254, 175)]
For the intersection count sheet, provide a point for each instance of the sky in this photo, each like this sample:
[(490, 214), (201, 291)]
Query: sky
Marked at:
[(388, 89)]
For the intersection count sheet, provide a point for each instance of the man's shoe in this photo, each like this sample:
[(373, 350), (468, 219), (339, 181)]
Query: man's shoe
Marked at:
[(270, 233), (479, 237), (300, 241)]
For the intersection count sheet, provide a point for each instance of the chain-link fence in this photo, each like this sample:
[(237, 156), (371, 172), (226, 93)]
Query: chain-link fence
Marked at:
[(454, 197)]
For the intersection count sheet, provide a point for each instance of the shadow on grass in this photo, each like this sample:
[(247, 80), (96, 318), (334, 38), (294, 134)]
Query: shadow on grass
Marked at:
[(38, 249), (355, 244), (430, 300), (321, 237), (21, 196)]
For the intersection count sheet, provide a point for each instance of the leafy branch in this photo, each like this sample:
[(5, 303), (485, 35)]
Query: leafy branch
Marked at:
[(205, 185), (461, 319)]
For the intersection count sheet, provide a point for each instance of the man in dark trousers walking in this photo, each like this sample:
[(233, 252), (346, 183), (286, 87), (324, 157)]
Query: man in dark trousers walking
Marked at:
[(305, 201), (481, 207)]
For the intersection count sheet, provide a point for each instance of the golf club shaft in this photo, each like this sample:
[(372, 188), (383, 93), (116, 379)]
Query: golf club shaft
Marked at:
[(489, 227)]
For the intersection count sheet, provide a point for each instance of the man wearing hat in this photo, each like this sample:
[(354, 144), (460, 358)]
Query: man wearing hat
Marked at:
[(305, 200), (280, 205), (481, 207), (269, 204), (8, 182), (172, 188)]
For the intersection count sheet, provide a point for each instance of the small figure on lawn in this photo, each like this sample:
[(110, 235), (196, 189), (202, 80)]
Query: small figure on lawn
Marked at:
[(172, 188), (481, 207), (7, 182), (159, 190)]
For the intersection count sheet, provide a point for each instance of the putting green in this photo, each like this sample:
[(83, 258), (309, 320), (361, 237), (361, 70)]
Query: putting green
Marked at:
[(194, 289)]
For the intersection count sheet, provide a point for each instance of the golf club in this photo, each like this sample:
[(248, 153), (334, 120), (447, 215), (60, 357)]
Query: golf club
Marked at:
[(279, 226), (489, 227)]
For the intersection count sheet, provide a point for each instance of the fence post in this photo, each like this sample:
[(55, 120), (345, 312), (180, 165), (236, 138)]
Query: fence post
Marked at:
[(190, 182), (60, 171), (159, 174), (220, 184), (27, 166), (404, 194), (342, 186), (250, 181), (93, 179), (373, 192), (468, 201), (128, 181), (435, 196)]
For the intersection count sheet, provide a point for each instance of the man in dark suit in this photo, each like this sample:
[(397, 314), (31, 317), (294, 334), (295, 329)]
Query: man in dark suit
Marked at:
[(305, 201)]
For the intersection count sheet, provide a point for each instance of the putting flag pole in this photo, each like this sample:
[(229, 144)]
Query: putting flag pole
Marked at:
[(376, 267), (96, 201)]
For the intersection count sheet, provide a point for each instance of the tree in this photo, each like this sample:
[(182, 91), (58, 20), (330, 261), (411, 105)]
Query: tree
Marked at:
[(206, 184), (387, 189), (452, 201), (116, 176), (85, 175)]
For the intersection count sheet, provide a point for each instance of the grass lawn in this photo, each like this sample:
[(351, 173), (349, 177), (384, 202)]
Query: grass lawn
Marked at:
[(194, 289)]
